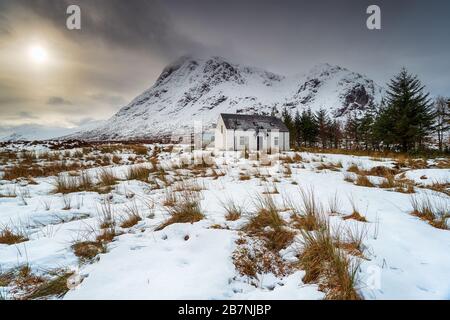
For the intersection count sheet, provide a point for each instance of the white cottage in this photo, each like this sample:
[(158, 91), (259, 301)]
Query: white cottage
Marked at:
[(251, 132)]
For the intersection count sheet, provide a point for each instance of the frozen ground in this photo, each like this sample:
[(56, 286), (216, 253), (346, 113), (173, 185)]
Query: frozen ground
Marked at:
[(404, 258)]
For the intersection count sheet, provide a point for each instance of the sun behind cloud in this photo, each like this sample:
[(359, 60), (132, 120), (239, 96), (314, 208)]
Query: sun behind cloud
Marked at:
[(38, 54)]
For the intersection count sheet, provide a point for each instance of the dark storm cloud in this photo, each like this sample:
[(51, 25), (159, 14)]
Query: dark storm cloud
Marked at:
[(143, 24)]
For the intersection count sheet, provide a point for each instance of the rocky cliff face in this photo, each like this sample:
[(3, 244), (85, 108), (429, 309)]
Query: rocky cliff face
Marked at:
[(200, 89)]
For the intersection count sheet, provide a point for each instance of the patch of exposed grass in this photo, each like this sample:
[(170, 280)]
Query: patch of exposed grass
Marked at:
[(363, 181), (324, 263), (54, 287), (307, 215), (266, 215), (132, 217), (186, 210), (244, 177), (9, 236), (253, 259), (87, 250), (138, 173), (234, 211), (436, 212), (106, 177)]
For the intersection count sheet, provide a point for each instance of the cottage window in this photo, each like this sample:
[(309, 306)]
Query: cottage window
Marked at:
[(276, 141), (242, 141), (221, 129)]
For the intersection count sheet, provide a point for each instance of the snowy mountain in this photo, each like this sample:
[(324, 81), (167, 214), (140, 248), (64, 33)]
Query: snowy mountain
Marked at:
[(200, 89)]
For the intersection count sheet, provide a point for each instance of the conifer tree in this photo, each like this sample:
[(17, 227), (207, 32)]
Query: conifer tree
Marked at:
[(408, 117), (323, 126)]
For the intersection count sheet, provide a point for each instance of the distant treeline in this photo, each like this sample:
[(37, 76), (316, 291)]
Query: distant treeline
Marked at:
[(407, 120)]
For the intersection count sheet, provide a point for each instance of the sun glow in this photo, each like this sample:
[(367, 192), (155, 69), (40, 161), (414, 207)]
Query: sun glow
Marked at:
[(38, 54)]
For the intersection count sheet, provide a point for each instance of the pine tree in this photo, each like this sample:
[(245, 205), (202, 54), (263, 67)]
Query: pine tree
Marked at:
[(365, 130), (287, 119), (351, 130), (323, 126), (309, 129), (298, 129), (335, 134), (408, 117)]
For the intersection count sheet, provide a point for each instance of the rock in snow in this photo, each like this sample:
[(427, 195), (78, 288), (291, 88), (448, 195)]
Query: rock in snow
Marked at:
[(200, 89)]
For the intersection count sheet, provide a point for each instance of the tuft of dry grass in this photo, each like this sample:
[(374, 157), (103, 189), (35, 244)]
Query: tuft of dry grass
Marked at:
[(138, 173), (186, 210), (9, 236), (330, 166), (244, 177), (363, 181), (266, 215), (87, 250), (324, 263), (309, 214), (355, 215), (435, 212), (353, 168), (268, 225), (234, 211), (54, 287), (65, 184), (106, 177), (170, 198), (133, 216)]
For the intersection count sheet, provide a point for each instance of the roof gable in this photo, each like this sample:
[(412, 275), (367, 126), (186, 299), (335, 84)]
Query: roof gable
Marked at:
[(252, 122)]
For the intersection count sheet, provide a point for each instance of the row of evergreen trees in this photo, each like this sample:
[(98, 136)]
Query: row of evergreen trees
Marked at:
[(406, 120)]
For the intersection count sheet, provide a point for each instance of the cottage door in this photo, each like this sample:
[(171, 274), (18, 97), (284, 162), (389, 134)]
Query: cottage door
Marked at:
[(258, 143)]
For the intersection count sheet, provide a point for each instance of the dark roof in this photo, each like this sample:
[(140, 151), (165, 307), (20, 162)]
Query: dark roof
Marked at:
[(252, 122)]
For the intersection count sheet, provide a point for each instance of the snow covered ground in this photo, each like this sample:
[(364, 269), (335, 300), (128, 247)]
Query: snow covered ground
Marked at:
[(405, 257)]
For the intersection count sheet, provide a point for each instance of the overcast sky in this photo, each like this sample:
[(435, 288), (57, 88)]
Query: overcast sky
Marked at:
[(123, 45)]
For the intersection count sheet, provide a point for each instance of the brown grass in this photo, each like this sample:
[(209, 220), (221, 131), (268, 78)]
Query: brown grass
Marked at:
[(436, 213), (133, 216), (356, 215), (324, 263), (244, 177), (349, 178), (55, 287), (266, 215), (186, 210), (234, 211), (138, 173), (87, 250), (308, 215), (363, 181), (268, 225), (353, 168), (253, 259), (9, 236), (330, 166), (106, 177)]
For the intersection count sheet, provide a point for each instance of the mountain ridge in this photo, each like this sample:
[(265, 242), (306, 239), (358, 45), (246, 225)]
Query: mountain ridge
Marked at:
[(192, 89)]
